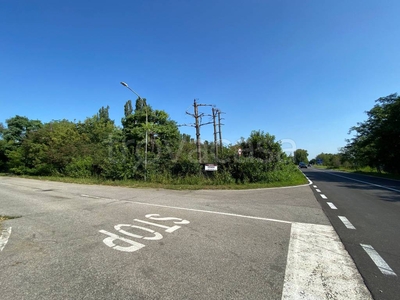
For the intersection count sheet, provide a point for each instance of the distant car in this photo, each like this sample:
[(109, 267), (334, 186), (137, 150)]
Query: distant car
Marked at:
[(302, 165)]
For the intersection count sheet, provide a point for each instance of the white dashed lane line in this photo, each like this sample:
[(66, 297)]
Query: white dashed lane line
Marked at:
[(372, 253), (346, 222), (378, 260), (331, 205), (5, 234)]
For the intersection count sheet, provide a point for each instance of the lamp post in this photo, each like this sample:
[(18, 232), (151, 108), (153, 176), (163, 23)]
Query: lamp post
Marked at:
[(145, 151)]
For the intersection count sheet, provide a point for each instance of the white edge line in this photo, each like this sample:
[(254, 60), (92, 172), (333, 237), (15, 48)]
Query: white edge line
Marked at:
[(378, 260), (377, 185), (318, 190), (323, 196), (331, 205), (346, 222), (5, 234), (215, 212)]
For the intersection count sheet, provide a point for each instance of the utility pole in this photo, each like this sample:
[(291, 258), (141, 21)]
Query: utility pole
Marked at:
[(197, 124), (214, 115), (219, 129), (197, 117)]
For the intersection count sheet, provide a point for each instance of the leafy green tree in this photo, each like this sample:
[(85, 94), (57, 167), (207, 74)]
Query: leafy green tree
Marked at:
[(128, 110), (98, 130), (261, 155), (13, 137), (377, 140), (18, 127), (3, 157), (263, 146), (49, 149), (331, 160), (300, 155), (163, 137)]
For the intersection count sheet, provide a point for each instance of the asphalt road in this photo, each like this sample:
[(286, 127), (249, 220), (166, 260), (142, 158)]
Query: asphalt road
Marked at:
[(98, 242), (372, 206)]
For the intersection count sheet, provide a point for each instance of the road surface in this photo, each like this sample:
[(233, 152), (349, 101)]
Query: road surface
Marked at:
[(99, 242), (365, 211)]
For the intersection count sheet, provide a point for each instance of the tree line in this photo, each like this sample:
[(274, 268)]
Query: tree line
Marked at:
[(376, 141), (97, 147)]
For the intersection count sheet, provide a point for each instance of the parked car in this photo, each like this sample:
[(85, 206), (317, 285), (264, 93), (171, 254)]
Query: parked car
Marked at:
[(302, 165)]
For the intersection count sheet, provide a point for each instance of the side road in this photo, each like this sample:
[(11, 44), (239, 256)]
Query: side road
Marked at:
[(98, 242)]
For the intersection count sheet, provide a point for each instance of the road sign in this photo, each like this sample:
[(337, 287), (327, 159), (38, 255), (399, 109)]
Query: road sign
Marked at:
[(210, 167)]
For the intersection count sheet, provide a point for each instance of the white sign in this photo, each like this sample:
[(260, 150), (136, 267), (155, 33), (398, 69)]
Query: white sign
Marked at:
[(210, 167), (133, 246)]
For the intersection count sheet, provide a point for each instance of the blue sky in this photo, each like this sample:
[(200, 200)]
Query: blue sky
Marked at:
[(304, 71)]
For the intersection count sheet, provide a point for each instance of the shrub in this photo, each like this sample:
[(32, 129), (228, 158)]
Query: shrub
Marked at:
[(80, 167)]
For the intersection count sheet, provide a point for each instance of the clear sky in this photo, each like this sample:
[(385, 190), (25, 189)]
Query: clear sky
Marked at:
[(305, 71)]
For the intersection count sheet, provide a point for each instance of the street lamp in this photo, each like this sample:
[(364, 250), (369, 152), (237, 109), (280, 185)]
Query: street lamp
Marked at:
[(145, 151)]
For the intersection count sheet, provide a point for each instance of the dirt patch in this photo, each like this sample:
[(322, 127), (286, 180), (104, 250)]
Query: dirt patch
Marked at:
[(3, 218)]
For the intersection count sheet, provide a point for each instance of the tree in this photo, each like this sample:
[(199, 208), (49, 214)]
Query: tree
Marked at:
[(261, 156), (99, 130), (128, 110), (377, 140), (300, 155), (51, 149), (163, 136), (18, 128), (261, 145)]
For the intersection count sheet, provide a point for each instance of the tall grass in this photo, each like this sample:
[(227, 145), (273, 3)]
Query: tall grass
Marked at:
[(285, 175)]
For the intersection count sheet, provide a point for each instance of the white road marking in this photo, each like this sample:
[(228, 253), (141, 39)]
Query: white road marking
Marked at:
[(323, 196), (314, 186), (346, 222), (378, 260), (169, 229), (157, 236), (176, 220), (318, 190), (319, 267), (377, 185), (331, 205), (134, 246), (214, 212), (5, 234)]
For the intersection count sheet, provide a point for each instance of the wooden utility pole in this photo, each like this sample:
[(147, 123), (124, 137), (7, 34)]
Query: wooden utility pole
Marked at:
[(197, 117), (214, 115), (219, 130), (197, 124)]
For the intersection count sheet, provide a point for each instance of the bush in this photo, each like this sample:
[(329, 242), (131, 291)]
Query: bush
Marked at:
[(185, 168), (80, 167)]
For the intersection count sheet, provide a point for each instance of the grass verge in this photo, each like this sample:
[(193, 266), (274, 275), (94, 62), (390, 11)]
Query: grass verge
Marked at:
[(296, 178)]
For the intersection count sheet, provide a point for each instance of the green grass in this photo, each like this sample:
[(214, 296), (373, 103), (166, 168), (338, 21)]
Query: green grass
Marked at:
[(189, 183)]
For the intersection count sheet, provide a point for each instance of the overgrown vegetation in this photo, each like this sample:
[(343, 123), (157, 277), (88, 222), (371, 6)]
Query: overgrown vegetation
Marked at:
[(96, 150)]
